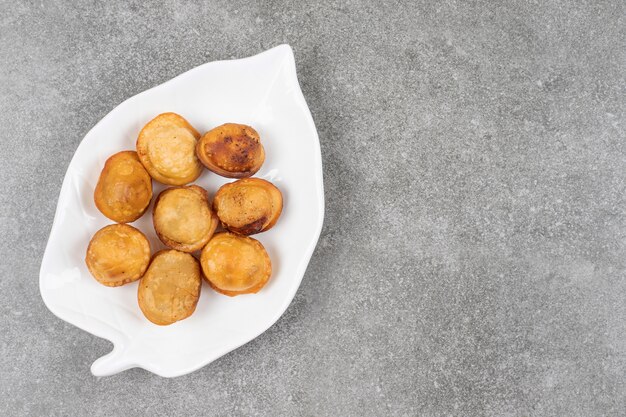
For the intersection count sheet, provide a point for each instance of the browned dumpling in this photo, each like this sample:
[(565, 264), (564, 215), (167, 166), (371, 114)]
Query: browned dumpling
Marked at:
[(234, 264), (231, 150), (248, 206), (167, 148), (183, 218), (170, 288), (124, 188), (118, 254)]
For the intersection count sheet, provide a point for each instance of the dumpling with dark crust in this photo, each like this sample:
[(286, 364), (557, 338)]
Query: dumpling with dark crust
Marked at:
[(231, 150)]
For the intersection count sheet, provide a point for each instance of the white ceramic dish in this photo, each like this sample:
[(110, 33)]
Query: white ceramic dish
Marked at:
[(261, 91)]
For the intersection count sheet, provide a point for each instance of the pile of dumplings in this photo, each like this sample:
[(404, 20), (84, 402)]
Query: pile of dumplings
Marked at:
[(172, 152)]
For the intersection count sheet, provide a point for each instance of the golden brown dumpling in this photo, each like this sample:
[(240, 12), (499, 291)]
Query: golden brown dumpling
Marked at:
[(118, 254), (183, 218), (167, 148), (248, 206), (124, 188), (234, 264), (170, 288), (231, 150)]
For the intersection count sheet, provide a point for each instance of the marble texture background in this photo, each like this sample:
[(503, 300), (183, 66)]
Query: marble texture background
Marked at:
[(473, 257)]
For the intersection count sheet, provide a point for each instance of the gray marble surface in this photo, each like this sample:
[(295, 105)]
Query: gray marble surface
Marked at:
[(473, 257)]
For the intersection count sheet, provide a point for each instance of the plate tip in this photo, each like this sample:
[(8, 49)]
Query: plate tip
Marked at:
[(111, 364), (284, 48)]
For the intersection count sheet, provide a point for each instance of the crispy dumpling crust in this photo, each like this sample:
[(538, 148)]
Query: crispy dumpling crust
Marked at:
[(167, 148), (118, 254), (124, 189), (234, 264), (231, 150), (183, 218), (248, 206), (170, 289)]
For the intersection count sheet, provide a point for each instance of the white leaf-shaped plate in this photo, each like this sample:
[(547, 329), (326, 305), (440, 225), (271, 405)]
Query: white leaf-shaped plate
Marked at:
[(261, 91)]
